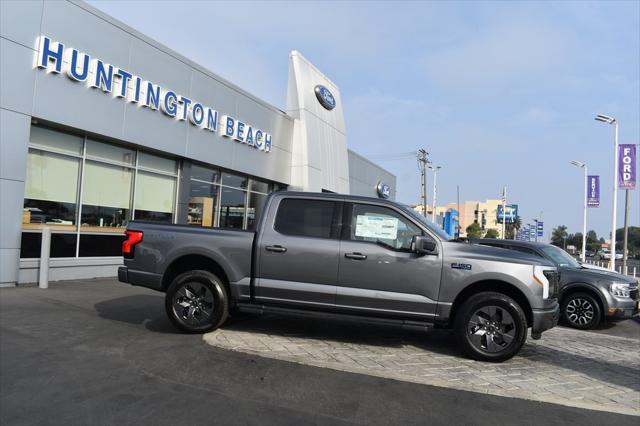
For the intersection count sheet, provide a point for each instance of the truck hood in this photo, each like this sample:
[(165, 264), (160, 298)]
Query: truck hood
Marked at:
[(592, 275), (480, 252)]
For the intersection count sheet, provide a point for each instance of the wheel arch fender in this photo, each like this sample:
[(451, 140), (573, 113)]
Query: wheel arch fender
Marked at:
[(586, 288), (195, 259), (494, 285)]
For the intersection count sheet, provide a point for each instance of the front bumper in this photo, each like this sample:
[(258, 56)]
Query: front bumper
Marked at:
[(544, 319), (623, 309)]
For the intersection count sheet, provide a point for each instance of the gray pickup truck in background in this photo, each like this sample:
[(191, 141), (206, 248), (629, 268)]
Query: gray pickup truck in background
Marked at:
[(587, 294), (346, 256)]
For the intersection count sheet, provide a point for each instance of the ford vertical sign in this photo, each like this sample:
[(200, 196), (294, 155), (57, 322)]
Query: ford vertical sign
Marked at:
[(627, 166), (593, 191)]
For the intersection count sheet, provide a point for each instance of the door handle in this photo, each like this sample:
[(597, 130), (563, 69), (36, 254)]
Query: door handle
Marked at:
[(355, 256), (276, 248)]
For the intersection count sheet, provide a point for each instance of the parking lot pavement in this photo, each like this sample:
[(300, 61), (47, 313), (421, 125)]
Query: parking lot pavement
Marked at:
[(97, 352), (593, 370)]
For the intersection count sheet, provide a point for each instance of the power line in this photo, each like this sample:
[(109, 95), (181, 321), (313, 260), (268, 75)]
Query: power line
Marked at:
[(392, 156)]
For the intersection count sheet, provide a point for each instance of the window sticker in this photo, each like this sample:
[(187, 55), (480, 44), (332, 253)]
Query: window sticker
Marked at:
[(382, 227)]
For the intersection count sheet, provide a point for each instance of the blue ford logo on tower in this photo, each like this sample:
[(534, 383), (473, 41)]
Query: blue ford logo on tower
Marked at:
[(383, 190), (325, 97)]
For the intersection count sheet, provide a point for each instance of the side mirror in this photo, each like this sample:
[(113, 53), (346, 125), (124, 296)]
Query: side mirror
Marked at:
[(423, 245)]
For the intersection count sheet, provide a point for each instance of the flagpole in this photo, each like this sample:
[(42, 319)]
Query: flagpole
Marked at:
[(504, 212)]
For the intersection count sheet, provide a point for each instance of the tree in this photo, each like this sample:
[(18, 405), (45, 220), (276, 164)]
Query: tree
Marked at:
[(575, 240), (558, 236), (474, 231), (633, 239), (592, 237), (491, 233)]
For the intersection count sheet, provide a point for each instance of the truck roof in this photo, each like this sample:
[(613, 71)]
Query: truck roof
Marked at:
[(511, 242), (334, 196)]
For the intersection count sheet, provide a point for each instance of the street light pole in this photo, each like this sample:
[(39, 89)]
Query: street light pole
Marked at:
[(584, 219), (626, 232), (611, 120), (435, 189)]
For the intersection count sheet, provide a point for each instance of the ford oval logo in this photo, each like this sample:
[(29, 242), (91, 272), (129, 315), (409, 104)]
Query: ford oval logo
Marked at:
[(325, 97), (384, 191)]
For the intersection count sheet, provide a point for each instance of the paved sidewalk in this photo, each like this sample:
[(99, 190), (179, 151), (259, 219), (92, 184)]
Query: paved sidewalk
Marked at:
[(568, 367)]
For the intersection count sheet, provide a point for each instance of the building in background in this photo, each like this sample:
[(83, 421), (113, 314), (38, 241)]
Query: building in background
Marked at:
[(484, 213), (446, 217), (101, 125), (451, 222)]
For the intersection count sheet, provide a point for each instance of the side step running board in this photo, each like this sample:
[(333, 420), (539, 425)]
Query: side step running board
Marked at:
[(279, 310)]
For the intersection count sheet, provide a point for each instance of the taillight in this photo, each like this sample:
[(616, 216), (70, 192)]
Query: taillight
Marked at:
[(133, 238)]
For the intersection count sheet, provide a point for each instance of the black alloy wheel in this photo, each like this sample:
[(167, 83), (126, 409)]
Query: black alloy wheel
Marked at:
[(197, 302), (490, 327)]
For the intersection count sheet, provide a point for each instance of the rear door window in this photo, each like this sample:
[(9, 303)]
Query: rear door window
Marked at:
[(306, 218)]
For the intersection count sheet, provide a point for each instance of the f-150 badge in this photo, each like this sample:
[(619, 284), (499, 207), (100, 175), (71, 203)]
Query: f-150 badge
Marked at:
[(464, 266)]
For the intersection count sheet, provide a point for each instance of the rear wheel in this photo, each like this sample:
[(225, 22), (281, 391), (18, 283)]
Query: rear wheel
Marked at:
[(491, 327), (581, 310), (197, 302)]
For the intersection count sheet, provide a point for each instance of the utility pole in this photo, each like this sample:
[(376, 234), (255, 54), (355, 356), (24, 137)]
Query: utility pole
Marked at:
[(423, 163)]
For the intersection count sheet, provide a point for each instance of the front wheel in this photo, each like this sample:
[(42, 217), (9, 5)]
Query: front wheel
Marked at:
[(197, 302), (581, 310), (490, 327)]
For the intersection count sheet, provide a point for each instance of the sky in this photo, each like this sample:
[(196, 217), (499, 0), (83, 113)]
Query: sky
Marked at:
[(499, 93)]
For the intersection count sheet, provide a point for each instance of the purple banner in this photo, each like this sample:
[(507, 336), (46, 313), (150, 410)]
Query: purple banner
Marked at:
[(593, 191), (627, 166)]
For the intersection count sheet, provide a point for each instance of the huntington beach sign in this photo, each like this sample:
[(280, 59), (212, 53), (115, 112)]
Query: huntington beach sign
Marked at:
[(55, 57)]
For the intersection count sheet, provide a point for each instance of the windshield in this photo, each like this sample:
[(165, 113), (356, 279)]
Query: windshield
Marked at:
[(560, 257), (423, 220)]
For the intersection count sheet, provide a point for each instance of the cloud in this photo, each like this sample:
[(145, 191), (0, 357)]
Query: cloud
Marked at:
[(510, 56), (535, 115)]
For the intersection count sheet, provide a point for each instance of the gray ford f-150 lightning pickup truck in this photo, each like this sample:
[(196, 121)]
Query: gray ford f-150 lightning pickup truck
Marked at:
[(340, 255)]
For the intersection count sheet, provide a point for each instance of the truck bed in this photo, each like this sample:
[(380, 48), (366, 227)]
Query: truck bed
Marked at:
[(168, 246)]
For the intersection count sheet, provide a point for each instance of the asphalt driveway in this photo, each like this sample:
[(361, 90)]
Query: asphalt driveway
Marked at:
[(100, 352)]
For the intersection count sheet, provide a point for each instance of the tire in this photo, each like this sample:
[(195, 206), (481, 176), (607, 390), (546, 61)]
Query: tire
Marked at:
[(581, 311), (490, 327), (197, 302)]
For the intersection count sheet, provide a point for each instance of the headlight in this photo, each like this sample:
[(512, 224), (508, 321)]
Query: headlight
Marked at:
[(619, 289), (538, 276)]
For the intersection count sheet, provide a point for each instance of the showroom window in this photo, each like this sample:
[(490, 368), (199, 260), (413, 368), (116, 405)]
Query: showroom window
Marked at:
[(225, 200), (257, 198), (204, 191), (233, 199), (52, 180), (87, 191), (106, 187)]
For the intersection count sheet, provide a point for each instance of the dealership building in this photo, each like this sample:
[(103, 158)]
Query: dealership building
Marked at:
[(101, 125)]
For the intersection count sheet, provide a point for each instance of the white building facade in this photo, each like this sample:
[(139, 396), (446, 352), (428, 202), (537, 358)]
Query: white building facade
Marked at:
[(101, 125)]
